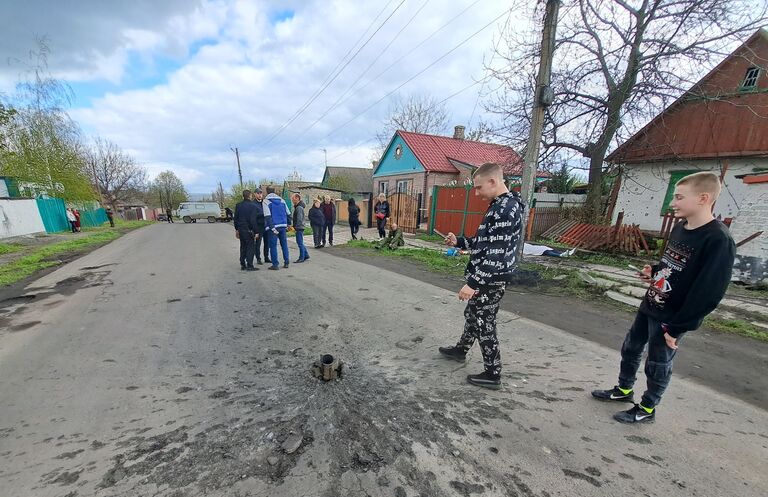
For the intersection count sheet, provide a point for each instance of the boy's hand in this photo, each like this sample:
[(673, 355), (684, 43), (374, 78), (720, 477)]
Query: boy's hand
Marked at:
[(466, 293), (451, 240), (646, 274), (237, 235), (671, 341)]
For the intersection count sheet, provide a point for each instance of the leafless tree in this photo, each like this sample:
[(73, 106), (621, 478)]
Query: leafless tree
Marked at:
[(416, 113), (617, 64), (115, 174)]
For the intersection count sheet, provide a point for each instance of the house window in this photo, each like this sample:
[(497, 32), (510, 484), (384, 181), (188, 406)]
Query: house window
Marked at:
[(750, 80), (403, 185), (384, 187), (674, 177)]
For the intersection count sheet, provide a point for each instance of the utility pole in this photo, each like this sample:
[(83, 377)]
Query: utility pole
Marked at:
[(326, 157), (239, 171), (542, 99)]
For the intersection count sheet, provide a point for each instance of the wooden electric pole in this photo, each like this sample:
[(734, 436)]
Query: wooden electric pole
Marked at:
[(239, 171), (542, 99)]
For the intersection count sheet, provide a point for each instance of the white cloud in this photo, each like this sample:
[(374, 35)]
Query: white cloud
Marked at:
[(251, 75)]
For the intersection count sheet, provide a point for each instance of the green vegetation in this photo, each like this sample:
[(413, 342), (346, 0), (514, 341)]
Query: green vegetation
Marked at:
[(737, 327), (9, 248), (429, 238), (432, 259), (49, 255)]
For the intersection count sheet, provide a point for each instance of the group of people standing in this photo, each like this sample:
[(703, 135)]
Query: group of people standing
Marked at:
[(265, 221), (73, 216)]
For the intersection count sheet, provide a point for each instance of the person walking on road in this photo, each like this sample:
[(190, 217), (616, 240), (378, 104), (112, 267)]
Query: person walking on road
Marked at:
[(381, 212), (353, 212), (169, 215), (683, 288), (263, 240), (278, 218), (298, 226), (317, 222), (110, 217), (246, 230), (492, 260), (329, 213)]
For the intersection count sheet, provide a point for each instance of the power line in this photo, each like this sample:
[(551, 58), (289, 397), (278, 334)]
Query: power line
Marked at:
[(363, 73), (328, 83), (446, 54)]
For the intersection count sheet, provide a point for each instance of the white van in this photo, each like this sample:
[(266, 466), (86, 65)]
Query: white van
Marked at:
[(190, 212)]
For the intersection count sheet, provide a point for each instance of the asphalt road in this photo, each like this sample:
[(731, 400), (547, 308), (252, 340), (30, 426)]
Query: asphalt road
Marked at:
[(154, 366)]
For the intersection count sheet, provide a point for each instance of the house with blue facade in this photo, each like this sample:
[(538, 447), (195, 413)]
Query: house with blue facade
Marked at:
[(415, 162)]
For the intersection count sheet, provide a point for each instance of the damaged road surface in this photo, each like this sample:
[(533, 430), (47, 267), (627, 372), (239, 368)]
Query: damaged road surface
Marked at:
[(154, 366)]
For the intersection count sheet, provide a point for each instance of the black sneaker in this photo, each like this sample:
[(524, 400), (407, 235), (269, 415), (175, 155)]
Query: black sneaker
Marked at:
[(242, 267), (455, 353), (251, 268), (258, 261), (273, 268), (285, 265), (614, 394), (638, 414), (485, 380), (298, 261)]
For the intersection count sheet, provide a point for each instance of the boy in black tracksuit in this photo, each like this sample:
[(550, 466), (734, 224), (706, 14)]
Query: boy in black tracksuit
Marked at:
[(493, 256), (686, 285)]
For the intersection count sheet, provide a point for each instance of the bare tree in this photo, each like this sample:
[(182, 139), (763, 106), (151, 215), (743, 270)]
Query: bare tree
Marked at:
[(419, 114), (115, 174), (617, 64), (167, 190)]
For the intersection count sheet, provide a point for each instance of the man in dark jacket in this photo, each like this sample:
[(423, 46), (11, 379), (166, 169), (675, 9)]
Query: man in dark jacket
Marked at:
[(329, 212), (263, 238), (246, 230), (298, 226), (492, 261), (317, 222)]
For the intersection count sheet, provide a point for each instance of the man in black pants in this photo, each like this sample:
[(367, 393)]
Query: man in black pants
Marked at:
[(246, 230), (263, 238), (492, 260)]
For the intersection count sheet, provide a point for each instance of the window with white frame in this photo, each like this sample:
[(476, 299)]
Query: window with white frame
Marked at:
[(403, 185), (384, 187)]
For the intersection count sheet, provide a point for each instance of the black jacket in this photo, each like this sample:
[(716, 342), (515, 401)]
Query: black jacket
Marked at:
[(692, 276), (493, 252), (246, 213), (354, 214), (316, 216)]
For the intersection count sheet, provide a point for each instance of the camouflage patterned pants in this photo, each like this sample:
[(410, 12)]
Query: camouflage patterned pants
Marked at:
[(480, 325)]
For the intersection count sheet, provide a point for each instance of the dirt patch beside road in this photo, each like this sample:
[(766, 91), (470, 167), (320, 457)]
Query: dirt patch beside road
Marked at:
[(724, 362)]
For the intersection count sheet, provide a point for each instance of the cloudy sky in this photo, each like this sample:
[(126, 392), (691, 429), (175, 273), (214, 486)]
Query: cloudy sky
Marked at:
[(178, 82)]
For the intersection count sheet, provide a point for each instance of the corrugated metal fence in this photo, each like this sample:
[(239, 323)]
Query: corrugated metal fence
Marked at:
[(53, 211)]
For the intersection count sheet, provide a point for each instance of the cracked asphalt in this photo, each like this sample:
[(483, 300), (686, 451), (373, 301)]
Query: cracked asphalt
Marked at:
[(154, 366)]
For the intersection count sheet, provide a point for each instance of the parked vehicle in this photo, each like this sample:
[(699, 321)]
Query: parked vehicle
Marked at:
[(190, 212)]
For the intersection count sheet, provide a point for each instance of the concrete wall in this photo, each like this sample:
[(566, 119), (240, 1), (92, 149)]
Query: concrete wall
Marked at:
[(19, 217), (751, 265), (644, 187)]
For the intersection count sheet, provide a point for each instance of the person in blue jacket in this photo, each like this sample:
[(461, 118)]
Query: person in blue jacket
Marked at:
[(277, 217)]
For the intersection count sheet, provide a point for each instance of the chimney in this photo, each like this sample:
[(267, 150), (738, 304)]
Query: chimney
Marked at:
[(458, 132)]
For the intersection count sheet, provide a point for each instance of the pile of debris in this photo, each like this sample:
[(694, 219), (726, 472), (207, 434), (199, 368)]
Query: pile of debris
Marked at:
[(617, 238)]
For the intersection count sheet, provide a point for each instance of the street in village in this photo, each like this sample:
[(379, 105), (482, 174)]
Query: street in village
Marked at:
[(154, 366)]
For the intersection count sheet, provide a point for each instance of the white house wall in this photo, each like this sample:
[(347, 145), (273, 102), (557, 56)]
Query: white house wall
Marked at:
[(19, 217), (644, 187)]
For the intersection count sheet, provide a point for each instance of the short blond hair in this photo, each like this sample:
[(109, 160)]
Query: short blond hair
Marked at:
[(703, 182), (489, 169)]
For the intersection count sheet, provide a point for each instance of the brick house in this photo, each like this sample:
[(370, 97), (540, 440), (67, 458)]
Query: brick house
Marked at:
[(719, 125), (415, 162), (751, 265)]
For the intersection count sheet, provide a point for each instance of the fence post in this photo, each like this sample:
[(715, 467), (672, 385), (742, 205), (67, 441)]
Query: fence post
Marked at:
[(433, 210), (466, 207)]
